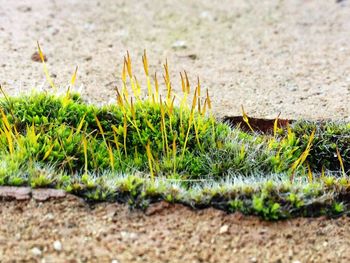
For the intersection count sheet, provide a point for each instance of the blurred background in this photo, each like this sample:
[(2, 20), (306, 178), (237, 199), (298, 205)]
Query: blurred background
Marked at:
[(271, 56)]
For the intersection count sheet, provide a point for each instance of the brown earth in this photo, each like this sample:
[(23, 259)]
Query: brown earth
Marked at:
[(271, 56), (69, 230)]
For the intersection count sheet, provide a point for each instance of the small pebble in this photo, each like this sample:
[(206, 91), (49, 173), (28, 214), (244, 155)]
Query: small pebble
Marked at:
[(223, 229), (179, 44), (36, 57), (193, 56), (206, 15), (57, 245), (36, 251), (49, 217), (128, 235)]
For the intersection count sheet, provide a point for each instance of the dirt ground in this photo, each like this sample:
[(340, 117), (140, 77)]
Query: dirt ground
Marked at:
[(68, 230), (271, 56)]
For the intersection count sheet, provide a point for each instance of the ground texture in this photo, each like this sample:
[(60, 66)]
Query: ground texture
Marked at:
[(69, 230), (271, 56)]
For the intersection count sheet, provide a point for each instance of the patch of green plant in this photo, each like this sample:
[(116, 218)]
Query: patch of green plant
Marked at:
[(146, 148), (330, 138), (271, 199)]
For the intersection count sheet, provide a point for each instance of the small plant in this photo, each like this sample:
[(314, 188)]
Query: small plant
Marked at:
[(154, 146)]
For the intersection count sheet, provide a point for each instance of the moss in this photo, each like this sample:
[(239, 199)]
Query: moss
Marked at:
[(329, 137), (142, 150)]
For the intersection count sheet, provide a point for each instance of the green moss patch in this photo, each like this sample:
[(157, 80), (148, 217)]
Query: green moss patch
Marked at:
[(148, 148), (148, 151)]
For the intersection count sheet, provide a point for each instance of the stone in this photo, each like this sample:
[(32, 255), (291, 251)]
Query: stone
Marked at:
[(128, 235), (12, 192), (46, 194), (179, 44), (223, 229), (36, 251), (57, 245)]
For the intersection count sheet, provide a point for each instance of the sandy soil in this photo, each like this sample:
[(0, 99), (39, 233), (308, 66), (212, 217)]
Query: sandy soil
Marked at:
[(272, 56), (68, 230)]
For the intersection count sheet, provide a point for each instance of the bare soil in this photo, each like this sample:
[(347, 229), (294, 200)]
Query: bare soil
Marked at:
[(271, 56), (69, 230)]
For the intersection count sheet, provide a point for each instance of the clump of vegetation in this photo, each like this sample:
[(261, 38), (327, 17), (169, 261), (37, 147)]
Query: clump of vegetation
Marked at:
[(331, 144), (152, 147)]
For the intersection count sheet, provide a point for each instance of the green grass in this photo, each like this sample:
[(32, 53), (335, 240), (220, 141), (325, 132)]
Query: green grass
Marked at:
[(146, 149)]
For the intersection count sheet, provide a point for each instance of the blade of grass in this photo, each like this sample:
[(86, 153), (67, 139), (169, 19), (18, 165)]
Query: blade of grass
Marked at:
[(145, 67), (341, 161), (303, 156), (150, 159), (125, 130), (275, 125), (46, 71), (246, 119), (85, 155)]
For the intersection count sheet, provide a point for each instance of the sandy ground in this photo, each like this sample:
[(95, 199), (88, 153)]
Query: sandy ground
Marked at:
[(68, 230), (271, 56)]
